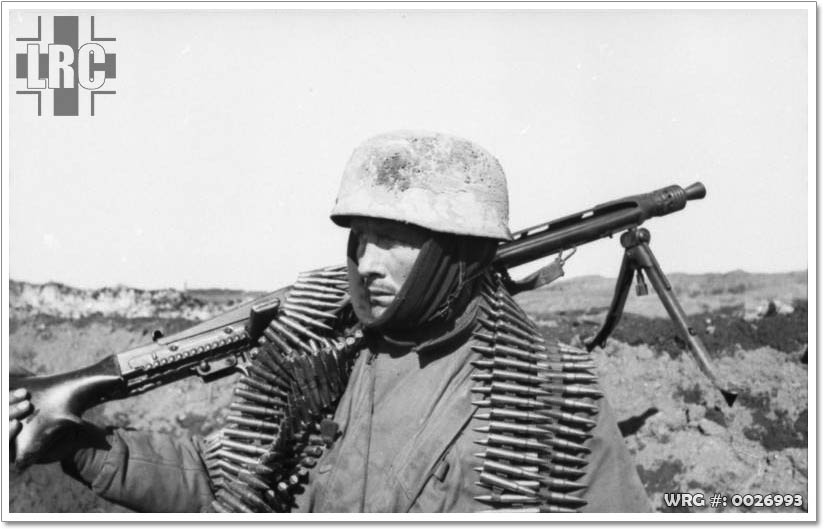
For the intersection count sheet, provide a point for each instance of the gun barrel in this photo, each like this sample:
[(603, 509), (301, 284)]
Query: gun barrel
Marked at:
[(601, 221), (696, 191)]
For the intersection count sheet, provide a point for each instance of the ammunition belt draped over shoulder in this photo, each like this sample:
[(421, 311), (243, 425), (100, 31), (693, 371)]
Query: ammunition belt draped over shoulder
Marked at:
[(277, 425), (535, 401)]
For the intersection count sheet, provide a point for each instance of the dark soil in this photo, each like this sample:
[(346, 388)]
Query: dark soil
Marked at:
[(631, 426), (661, 479), (692, 395), (775, 429), (716, 415), (721, 331)]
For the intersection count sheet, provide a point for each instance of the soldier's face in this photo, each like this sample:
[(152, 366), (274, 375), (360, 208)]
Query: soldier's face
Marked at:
[(386, 252)]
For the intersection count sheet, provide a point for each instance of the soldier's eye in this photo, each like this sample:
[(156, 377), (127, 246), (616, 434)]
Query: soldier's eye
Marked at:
[(384, 240)]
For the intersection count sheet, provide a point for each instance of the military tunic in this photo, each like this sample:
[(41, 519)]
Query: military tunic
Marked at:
[(408, 443)]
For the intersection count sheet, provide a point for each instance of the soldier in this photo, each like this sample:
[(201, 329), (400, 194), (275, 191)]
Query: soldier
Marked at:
[(436, 416)]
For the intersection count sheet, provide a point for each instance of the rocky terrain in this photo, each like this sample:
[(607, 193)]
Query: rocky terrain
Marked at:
[(681, 432), (55, 299)]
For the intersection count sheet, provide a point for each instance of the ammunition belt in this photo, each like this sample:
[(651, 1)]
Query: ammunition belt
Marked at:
[(279, 421), (536, 404)]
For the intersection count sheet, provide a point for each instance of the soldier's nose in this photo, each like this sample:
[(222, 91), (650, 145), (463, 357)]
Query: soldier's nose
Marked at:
[(370, 262)]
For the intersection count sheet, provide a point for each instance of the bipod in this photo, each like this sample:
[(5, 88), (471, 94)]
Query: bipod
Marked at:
[(639, 260)]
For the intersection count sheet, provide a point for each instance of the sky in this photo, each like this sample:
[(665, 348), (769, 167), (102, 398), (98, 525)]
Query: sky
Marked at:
[(217, 161)]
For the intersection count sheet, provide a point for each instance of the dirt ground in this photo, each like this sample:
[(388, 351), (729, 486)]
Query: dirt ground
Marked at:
[(682, 434), (677, 425)]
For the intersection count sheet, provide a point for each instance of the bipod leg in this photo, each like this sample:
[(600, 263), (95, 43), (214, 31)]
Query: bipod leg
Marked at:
[(636, 244), (616, 307)]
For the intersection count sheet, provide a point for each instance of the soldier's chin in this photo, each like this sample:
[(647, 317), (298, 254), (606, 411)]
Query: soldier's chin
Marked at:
[(377, 310), (379, 304)]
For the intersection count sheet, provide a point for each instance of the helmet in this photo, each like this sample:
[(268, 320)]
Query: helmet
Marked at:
[(439, 182)]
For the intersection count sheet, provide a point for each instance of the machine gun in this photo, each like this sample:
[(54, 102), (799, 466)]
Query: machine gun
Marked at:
[(221, 346), (623, 215)]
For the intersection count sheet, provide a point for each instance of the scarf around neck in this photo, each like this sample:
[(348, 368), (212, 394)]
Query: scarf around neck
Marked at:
[(442, 282)]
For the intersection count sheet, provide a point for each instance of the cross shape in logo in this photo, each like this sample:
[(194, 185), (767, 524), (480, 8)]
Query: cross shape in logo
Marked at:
[(66, 67)]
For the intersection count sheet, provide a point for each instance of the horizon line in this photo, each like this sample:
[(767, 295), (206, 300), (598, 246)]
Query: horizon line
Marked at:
[(241, 289)]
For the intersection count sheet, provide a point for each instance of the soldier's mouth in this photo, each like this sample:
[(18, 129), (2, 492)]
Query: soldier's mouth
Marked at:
[(380, 297)]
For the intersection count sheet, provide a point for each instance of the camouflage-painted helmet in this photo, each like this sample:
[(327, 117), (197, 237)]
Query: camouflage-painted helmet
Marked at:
[(436, 181)]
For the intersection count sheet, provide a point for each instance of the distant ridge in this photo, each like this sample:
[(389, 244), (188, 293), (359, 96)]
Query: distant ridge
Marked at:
[(696, 292), (709, 283), (57, 299)]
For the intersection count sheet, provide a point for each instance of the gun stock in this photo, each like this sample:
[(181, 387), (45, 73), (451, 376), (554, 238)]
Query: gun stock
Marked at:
[(61, 399)]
